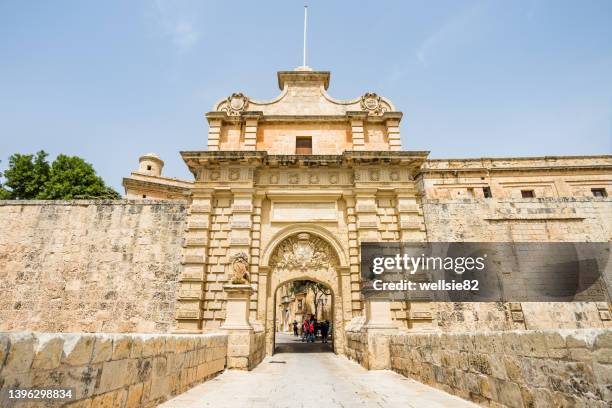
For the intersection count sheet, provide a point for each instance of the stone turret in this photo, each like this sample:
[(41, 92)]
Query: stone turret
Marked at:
[(151, 164)]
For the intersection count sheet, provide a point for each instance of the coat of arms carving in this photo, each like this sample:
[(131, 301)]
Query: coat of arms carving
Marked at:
[(303, 252), (235, 104), (240, 268), (373, 104)]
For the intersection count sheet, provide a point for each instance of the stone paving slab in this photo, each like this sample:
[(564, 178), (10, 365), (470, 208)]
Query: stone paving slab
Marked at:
[(313, 380)]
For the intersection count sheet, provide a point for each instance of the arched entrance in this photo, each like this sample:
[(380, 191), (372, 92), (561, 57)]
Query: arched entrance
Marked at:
[(298, 301), (305, 256)]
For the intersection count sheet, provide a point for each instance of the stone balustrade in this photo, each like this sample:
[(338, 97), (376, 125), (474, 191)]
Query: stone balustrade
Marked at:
[(109, 370), (529, 368)]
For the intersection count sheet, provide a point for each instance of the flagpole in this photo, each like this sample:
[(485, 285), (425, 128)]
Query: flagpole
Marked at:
[(305, 24)]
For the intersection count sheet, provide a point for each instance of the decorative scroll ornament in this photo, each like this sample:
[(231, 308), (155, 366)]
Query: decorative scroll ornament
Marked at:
[(373, 104), (235, 104), (303, 252), (240, 267)]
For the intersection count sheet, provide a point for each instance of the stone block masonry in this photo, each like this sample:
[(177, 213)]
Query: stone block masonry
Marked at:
[(90, 266), (109, 370), (522, 368), (519, 220)]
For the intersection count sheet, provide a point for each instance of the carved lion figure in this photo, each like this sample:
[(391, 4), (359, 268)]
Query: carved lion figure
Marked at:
[(240, 267)]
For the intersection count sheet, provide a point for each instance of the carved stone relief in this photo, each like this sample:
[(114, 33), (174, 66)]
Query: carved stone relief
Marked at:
[(234, 174), (294, 178), (313, 179), (234, 104), (373, 104), (304, 252), (240, 268)]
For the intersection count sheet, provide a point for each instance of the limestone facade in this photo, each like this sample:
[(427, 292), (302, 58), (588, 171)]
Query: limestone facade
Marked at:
[(333, 172)]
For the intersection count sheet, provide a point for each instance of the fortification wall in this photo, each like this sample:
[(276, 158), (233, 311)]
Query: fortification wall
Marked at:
[(532, 368), (90, 266), (108, 370), (519, 220)]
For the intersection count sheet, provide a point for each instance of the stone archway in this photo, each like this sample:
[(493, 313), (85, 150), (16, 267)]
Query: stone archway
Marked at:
[(304, 256), (333, 320)]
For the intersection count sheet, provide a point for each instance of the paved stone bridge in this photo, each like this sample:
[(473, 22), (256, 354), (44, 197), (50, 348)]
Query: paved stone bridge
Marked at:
[(310, 375)]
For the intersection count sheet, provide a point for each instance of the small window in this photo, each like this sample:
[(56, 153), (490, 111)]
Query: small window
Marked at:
[(144, 196), (149, 167), (303, 145), (599, 192), (470, 192), (527, 194), (486, 192)]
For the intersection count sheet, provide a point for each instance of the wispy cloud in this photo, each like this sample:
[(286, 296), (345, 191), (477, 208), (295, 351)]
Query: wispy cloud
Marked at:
[(179, 27), (454, 28)]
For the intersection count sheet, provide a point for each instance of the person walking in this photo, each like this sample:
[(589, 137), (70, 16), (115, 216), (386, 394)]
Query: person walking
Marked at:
[(295, 328), (324, 331), (311, 328), (305, 330)]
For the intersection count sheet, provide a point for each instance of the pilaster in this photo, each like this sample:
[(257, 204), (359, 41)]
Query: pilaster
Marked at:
[(393, 134), (251, 120), (410, 216), (379, 327), (356, 120), (192, 278), (354, 263), (366, 212), (214, 133), (418, 314), (244, 235)]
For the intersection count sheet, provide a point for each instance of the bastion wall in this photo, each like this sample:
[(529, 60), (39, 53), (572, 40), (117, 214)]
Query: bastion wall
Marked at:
[(519, 368), (90, 266), (520, 220), (113, 266)]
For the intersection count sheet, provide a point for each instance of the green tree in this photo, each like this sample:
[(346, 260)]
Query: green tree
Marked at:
[(74, 178), (4, 193), (30, 177), (27, 175)]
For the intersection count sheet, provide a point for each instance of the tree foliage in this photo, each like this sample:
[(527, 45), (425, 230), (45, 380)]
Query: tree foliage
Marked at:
[(31, 177), (318, 290), (4, 193), (27, 175)]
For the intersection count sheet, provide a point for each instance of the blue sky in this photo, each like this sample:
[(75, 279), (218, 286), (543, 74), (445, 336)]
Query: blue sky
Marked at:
[(111, 80)]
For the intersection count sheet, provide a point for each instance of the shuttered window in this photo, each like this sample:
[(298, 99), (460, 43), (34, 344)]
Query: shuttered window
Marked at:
[(303, 145)]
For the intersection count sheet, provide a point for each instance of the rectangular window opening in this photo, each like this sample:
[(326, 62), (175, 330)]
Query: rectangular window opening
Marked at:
[(486, 192), (599, 192), (527, 193), (303, 145)]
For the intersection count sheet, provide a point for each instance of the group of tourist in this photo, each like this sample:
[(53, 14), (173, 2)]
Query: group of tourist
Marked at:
[(311, 329)]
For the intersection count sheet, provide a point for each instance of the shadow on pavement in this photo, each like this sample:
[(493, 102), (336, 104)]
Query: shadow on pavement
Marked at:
[(291, 344)]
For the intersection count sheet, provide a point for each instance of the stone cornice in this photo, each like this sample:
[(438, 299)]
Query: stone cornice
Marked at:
[(303, 76), (130, 183), (235, 119), (517, 169), (196, 159)]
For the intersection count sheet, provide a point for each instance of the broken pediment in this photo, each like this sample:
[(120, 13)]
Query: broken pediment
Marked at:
[(304, 93)]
